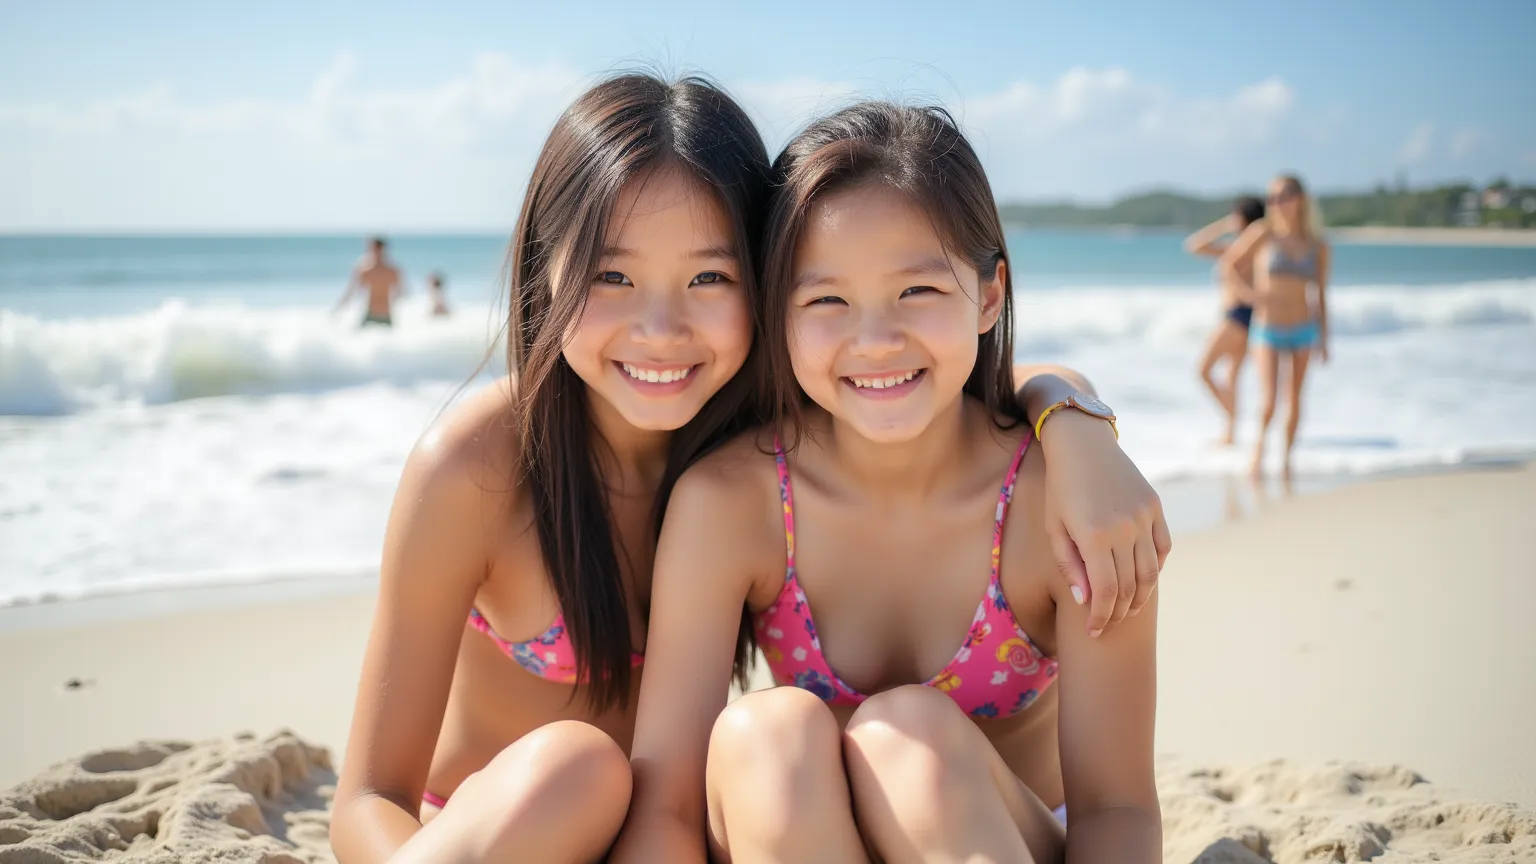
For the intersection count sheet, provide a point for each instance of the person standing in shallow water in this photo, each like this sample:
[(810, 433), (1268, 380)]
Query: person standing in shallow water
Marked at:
[(435, 294), (1230, 341), (375, 275), (1288, 263)]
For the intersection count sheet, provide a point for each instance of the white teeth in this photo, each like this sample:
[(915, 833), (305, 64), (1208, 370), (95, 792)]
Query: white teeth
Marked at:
[(882, 383), (656, 376)]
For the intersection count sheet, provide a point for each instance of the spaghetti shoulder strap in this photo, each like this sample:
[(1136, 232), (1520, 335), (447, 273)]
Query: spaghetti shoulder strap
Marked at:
[(1004, 498), (1013, 473), (787, 497)]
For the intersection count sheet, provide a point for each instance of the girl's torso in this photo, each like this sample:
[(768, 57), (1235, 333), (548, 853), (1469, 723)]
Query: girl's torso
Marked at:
[(1286, 267), (493, 699), (1229, 299), (894, 586)]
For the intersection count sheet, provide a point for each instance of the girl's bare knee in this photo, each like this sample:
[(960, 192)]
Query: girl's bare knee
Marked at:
[(919, 713), (562, 766), (768, 724), (775, 754), (560, 792), (915, 731)]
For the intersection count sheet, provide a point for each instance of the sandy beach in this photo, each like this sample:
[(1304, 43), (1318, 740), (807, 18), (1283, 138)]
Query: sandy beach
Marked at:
[(1436, 236), (1342, 676)]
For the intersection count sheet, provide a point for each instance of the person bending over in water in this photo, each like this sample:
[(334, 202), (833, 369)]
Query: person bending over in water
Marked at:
[(1288, 258), (376, 275), (1230, 341)]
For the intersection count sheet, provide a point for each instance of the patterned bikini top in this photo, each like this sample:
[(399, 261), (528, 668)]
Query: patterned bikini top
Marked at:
[(1303, 266), (548, 655), (998, 671)]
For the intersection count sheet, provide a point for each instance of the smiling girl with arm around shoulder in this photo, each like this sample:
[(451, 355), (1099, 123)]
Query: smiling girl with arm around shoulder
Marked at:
[(941, 696)]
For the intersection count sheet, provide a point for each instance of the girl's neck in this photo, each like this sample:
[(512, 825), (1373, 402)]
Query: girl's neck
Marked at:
[(908, 470), (1287, 232), (630, 460)]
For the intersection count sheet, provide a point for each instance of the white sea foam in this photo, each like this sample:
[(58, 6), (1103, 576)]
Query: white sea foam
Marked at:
[(178, 352), (197, 444)]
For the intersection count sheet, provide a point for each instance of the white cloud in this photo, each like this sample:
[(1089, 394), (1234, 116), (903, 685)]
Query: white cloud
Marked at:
[(1467, 141), (336, 116), (455, 153), (1110, 107), (1416, 148)]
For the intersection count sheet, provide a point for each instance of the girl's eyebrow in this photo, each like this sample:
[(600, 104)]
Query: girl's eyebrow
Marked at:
[(812, 278), (931, 265), (704, 253), (713, 253)]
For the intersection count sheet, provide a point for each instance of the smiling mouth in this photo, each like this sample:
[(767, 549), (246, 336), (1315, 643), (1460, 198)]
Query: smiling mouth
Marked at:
[(654, 375), (884, 382)]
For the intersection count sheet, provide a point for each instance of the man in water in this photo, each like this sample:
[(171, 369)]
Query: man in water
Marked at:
[(374, 274)]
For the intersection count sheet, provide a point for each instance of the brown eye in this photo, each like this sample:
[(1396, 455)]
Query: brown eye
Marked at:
[(612, 277), (919, 289), (710, 277)]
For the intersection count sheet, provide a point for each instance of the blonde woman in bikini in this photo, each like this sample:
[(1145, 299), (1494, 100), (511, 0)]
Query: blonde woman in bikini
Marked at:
[(1290, 265)]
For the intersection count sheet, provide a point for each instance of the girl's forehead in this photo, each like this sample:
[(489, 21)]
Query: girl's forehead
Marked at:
[(667, 207)]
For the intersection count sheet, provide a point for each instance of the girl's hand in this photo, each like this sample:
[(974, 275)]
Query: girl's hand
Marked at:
[(1106, 524)]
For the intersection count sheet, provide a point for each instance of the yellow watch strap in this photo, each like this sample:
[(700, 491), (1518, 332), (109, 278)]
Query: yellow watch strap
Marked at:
[(1067, 403), (1040, 421)]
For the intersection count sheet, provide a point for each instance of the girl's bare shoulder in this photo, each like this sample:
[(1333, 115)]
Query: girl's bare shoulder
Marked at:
[(473, 452), (736, 474)]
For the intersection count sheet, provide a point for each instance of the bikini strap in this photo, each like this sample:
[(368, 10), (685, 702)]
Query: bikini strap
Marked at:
[(787, 497), (1004, 498)]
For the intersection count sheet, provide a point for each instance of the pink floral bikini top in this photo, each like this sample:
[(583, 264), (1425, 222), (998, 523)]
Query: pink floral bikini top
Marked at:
[(998, 671), (548, 655)]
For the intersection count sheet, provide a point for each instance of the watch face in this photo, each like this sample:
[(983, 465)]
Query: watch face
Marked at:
[(1092, 405)]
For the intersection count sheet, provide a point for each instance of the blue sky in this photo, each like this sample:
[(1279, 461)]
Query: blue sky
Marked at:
[(392, 116)]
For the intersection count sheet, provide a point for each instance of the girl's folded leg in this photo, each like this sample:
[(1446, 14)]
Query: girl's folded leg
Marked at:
[(559, 793), (775, 782), (929, 787)]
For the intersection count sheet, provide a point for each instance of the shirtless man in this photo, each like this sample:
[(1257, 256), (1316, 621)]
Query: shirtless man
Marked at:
[(374, 274)]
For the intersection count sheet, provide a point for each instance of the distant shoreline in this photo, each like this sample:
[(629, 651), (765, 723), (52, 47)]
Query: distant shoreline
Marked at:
[(1437, 236), (1373, 234)]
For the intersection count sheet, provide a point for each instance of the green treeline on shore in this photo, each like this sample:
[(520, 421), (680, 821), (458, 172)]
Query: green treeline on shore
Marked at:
[(1499, 204)]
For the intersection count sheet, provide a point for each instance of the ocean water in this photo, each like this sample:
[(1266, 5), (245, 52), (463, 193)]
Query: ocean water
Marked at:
[(185, 411)]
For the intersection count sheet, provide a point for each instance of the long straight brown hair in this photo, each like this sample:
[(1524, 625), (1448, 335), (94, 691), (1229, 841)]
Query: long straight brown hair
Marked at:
[(614, 133), (920, 153)]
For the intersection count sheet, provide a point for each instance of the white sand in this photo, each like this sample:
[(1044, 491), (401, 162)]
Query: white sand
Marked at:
[(1437, 236), (240, 799), (1386, 623)]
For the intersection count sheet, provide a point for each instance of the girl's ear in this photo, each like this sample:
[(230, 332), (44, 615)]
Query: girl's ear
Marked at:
[(992, 293)]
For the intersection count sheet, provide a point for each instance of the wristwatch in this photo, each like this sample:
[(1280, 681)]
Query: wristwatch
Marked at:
[(1090, 405)]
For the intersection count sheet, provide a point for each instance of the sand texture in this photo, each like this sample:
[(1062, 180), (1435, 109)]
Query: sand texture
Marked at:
[(233, 800), (266, 802), (1302, 652), (1285, 811)]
